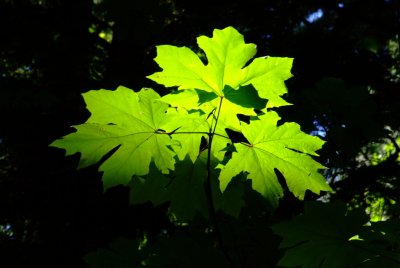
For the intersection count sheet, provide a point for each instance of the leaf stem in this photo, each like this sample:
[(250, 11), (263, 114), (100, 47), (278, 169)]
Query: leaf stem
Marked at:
[(190, 132), (209, 189)]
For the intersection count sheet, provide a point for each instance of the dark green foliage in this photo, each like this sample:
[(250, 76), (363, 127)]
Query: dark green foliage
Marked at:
[(52, 51), (327, 235)]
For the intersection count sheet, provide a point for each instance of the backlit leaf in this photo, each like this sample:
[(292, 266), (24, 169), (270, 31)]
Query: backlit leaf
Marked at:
[(126, 119), (227, 54), (283, 147)]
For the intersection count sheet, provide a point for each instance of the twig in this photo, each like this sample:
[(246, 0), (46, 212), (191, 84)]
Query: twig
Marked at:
[(209, 192)]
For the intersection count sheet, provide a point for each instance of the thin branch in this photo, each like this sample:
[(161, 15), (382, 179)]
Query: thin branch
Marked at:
[(209, 191), (190, 132)]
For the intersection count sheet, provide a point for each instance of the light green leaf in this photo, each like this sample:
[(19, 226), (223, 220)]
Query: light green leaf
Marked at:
[(285, 148), (127, 120), (227, 54)]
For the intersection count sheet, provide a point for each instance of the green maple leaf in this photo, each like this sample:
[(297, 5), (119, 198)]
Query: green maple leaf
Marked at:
[(326, 235), (227, 55), (126, 119), (285, 148)]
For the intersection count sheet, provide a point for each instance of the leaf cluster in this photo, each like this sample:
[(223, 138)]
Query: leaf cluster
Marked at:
[(211, 147), (222, 107)]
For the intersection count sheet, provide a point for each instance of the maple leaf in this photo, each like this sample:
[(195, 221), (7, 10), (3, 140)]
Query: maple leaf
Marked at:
[(283, 147), (227, 55), (126, 119)]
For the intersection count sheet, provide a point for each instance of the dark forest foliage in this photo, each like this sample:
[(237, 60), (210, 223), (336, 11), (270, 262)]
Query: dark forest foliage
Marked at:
[(345, 90)]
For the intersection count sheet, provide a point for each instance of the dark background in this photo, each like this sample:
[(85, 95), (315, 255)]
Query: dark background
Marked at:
[(346, 88)]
